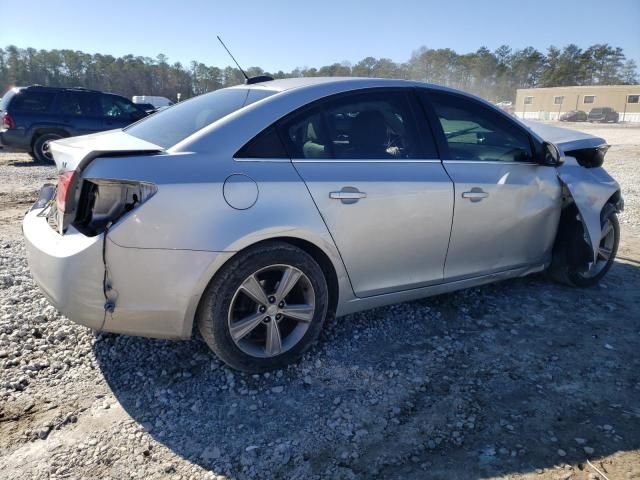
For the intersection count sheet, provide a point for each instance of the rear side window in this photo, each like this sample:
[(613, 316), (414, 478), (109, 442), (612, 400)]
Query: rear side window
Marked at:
[(362, 125), (32, 102), (266, 144), (170, 126), (74, 103), (475, 132), (306, 135)]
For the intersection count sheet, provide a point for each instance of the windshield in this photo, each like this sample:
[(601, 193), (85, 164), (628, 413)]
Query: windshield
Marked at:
[(170, 126)]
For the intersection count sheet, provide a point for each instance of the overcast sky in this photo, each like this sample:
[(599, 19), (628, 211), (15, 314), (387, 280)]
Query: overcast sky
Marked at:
[(284, 34)]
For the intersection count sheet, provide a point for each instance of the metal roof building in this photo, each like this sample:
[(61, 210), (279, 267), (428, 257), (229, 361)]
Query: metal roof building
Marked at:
[(549, 103)]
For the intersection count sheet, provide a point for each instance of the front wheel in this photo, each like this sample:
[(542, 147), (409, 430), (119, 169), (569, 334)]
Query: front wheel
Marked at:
[(264, 308), (567, 271)]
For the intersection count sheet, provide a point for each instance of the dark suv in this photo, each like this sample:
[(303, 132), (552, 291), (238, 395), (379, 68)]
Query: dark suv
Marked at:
[(604, 114), (31, 117)]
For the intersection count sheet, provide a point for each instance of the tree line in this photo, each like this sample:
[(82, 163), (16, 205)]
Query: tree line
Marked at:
[(494, 75)]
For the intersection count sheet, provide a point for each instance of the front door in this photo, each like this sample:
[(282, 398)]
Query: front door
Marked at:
[(117, 112), (507, 206), (379, 186)]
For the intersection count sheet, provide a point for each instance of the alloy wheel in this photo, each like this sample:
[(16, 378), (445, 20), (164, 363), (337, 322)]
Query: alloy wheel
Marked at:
[(46, 151), (271, 311), (605, 250)]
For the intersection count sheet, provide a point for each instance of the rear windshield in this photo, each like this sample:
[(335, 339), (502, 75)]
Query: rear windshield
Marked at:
[(170, 126), (4, 103)]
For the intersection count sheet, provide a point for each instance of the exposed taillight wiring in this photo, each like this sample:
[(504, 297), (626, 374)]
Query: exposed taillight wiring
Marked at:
[(104, 201), (110, 294)]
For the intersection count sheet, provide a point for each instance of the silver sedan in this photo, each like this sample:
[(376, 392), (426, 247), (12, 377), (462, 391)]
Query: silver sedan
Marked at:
[(257, 212)]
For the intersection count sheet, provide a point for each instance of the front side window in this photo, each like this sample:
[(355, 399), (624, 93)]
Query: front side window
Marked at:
[(32, 102), (170, 126), (558, 100), (633, 98), (475, 132), (589, 98), (368, 125), (115, 107)]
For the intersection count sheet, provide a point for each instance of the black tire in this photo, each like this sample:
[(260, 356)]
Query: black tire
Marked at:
[(213, 312), (41, 147), (562, 269)]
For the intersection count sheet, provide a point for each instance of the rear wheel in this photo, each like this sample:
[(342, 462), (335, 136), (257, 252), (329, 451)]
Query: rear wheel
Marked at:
[(264, 308), (41, 150)]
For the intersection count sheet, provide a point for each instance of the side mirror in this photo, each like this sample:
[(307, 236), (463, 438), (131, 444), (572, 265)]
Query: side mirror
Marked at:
[(550, 155), (137, 115)]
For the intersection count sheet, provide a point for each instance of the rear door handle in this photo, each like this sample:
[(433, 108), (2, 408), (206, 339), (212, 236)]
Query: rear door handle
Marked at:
[(348, 195), (475, 194)]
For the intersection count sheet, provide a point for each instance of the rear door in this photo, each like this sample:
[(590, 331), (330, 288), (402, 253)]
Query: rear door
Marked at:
[(507, 206), (379, 185), (78, 111)]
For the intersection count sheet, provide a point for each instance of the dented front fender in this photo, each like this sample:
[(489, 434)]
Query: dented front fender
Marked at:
[(591, 189)]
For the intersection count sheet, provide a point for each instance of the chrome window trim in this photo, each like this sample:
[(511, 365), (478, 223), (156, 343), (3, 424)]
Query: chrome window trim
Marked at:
[(346, 160), (270, 160), (493, 162)]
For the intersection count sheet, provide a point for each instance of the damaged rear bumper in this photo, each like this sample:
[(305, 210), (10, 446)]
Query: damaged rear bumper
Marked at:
[(153, 292), (68, 269)]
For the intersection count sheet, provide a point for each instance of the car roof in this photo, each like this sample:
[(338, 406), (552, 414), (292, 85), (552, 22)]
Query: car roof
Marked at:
[(43, 88), (283, 84)]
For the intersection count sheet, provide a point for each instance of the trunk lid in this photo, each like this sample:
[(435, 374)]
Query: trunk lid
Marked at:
[(75, 153)]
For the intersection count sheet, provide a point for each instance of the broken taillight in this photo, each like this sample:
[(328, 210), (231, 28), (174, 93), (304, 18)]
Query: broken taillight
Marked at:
[(103, 202), (62, 191)]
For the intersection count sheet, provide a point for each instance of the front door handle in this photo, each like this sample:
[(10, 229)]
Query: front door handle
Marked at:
[(348, 195), (476, 194)]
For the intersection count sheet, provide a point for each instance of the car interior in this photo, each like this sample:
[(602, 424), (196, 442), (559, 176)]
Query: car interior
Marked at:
[(359, 130), (476, 135)]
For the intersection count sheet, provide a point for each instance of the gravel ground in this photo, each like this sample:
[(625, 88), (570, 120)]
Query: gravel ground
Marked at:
[(521, 379)]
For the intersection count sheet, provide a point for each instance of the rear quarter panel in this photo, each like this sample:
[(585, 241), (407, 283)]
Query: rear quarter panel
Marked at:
[(189, 210)]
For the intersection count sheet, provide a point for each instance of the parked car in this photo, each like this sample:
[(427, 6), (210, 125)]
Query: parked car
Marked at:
[(31, 117), (154, 100), (146, 107), (506, 106), (259, 211), (574, 116), (604, 114)]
